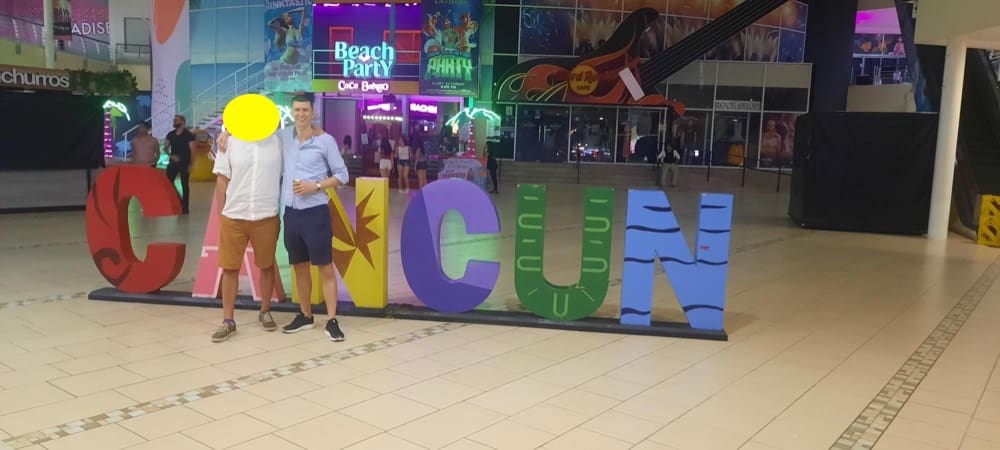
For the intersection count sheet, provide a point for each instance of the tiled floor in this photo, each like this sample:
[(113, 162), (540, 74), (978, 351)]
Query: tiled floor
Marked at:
[(837, 340)]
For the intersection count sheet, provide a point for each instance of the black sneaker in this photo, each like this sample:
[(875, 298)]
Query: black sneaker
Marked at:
[(301, 322), (333, 331)]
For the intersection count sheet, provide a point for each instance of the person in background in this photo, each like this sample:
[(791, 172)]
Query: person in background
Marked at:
[(248, 186), (145, 148), (180, 146), (384, 150), (312, 165), (347, 145), (491, 165), (421, 166), (403, 158), (668, 159)]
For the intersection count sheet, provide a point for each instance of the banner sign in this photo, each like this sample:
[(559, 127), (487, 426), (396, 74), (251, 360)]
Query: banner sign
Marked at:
[(613, 74), (449, 56), (34, 78), (87, 18), (171, 63), (288, 58), (62, 26), (469, 169)]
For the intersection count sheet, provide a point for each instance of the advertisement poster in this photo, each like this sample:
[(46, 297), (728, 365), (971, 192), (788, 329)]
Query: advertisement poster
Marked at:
[(86, 18), (288, 58), (171, 29), (62, 25), (449, 57)]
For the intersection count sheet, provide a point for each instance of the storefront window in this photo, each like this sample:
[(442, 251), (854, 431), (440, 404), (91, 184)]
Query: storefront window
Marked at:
[(777, 141), (690, 137), (694, 85), (542, 133), (729, 138), (639, 137), (592, 134)]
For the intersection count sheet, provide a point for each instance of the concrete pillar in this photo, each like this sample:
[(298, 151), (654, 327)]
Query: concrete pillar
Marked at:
[(947, 138), (47, 36)]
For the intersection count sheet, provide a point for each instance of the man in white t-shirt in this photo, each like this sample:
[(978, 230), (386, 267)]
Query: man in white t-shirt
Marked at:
[(248, 186)]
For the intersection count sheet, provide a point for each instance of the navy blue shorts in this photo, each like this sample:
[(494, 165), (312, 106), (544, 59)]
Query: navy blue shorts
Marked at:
[(309, 235)]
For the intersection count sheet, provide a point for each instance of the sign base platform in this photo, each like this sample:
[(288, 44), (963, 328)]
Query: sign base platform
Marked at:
[(410, 312)]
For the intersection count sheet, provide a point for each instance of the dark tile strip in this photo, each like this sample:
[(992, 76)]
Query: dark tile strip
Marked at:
[(140, 409), (869, 426)]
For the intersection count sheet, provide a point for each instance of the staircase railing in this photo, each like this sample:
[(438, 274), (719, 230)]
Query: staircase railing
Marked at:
[(207, 105)]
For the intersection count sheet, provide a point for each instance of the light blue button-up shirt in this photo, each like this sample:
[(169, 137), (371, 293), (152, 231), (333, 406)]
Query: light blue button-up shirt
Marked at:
[(311, 162)]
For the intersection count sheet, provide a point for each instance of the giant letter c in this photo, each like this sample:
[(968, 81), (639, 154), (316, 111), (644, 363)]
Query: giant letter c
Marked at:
[(108, 233), (421, 245)]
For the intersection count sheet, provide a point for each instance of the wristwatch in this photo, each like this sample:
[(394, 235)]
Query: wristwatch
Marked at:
[(319, 187)]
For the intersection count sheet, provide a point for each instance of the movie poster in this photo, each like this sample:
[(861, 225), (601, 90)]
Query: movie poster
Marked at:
[(449, 57), (288, 54), (62, 24)]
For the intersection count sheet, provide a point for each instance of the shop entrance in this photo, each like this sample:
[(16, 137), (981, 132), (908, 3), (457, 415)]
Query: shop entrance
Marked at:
[(361, 122)]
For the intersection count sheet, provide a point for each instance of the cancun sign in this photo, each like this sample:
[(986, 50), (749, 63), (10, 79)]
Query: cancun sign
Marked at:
[(652, 235), (364, 61)]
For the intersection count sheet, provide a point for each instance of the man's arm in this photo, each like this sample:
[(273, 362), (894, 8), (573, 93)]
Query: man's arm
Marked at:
[(338, 168), (221, 185), (222, 171), (224, 136)]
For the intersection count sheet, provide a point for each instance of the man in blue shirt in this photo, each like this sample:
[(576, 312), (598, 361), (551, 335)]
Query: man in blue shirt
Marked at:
[(312, 165)]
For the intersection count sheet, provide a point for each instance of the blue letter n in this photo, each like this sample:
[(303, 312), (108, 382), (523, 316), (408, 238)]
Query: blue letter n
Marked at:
[(652, 233)]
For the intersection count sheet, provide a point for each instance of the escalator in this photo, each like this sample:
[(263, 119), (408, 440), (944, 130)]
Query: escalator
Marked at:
[(977, 171)]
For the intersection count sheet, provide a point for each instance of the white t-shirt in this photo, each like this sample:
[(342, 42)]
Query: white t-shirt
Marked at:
[(403, 151), (254, 172)]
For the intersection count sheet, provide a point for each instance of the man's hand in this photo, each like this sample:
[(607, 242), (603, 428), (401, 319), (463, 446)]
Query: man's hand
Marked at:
[(300, 187), (221, 141), (175, 158)]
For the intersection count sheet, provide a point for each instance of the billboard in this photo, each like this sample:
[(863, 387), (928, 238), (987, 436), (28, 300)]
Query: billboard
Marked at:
[(171, 63), (288, 54), (449, 55), (62, 27)]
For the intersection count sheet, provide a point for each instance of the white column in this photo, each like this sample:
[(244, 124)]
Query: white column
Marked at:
[(947, 138), (47, 39)]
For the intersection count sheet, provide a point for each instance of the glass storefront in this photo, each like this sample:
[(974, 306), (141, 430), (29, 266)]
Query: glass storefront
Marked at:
[(728, 93), (737, 113)]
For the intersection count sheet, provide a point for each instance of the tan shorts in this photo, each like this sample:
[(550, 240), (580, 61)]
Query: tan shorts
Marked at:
[(234, 234)]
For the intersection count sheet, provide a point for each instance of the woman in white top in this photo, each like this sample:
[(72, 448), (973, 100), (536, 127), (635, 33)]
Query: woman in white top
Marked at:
[(403, 158)]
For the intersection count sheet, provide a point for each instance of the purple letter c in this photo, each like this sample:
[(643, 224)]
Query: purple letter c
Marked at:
[(421, 245)]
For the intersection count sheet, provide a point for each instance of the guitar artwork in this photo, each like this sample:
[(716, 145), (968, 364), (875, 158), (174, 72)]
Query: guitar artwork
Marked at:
[(611, 75)]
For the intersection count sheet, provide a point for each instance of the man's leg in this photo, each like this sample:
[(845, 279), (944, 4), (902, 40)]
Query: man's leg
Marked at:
[(185, 189), (298, 257), (329, 276), (321, 254), (332, 329), (264, 237), (303, 281), (229, 285), (233, 240)]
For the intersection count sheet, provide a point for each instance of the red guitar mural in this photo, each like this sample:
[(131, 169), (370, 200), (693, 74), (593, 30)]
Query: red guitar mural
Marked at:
[(611, 75)]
